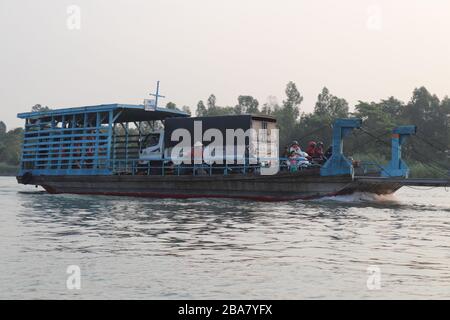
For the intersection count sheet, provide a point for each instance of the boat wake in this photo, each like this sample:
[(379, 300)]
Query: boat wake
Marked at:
[(359, 197)]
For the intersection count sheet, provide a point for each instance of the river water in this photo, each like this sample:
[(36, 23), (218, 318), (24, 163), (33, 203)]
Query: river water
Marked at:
[(357, 247)]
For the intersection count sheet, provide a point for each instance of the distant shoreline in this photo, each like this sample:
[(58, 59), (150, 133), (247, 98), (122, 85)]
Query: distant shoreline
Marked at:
[(8, 170)]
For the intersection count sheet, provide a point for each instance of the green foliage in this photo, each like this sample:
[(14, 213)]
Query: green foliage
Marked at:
[(186, 109), (329, 106), (201, 109), (287, 115), (270, 106), (7, 169), (316, 126), (39, 108), (421, 170), (429, 150), (2, 128), (10, 146), (246, 105), (171, 106), (294, 98)]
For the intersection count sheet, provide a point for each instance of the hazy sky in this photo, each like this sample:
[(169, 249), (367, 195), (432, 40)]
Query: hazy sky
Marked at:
[(360, 50)]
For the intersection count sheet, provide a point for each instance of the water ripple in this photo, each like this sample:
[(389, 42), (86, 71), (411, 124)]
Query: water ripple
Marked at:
[(206, 248)]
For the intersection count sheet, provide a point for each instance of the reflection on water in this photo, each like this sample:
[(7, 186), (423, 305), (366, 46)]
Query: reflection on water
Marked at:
[(203, 248)]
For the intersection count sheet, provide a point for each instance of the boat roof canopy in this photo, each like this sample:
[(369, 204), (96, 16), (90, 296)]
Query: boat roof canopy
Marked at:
[(128, 112)]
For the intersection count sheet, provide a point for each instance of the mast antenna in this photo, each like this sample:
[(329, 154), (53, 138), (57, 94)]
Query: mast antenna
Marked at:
[(152, 104)]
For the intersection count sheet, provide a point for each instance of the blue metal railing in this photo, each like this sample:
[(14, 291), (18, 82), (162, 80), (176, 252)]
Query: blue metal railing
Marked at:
[(139, 167), (101, 165), (161, 168)]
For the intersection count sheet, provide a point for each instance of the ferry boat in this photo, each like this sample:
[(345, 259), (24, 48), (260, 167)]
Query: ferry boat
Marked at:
[(122, 150)]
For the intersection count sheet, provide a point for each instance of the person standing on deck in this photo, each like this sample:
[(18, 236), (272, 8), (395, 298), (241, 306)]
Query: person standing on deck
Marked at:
[(311, 149), (318, 153)]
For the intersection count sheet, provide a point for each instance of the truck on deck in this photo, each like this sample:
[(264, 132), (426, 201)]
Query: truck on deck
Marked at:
[(158, 145)]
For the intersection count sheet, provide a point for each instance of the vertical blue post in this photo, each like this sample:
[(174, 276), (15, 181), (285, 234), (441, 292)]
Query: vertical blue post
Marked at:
[(72, 141), (37, 144), (113, 146), (397, 167), (84, 145), (110, 124), (338, 164), (61, 141), (50, 148), (97, 138)]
